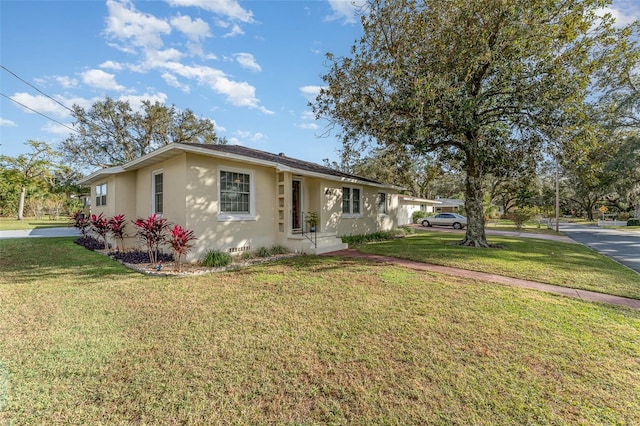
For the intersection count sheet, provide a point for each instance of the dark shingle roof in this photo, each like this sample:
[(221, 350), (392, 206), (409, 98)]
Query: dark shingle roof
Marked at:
[(279, 159)]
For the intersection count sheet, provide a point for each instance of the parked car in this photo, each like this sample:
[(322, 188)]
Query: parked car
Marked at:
[(445, 219)]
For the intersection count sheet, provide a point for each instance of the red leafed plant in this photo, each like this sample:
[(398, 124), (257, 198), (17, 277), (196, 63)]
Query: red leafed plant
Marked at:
[(152, 233), (180, 240), (81, 222), (116, 228), (100, 225)]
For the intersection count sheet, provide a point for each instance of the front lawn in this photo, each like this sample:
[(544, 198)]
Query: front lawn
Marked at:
[(308, 340), (552, 262), (12, 224)]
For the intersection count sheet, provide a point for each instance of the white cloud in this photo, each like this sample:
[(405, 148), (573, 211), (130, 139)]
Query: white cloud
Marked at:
[(66, 82), (308, 121), (310, 92), (235, 31), (623, 17), (101, 80), (309, 126), (58, 129), (126, 24), (110, 65), (172, 81), (234, 141), (246, 60), (247, 135), (42, 104), (345, 10), (217, 127), (194, 30), (240, 94), (228, 8), (6, 123)]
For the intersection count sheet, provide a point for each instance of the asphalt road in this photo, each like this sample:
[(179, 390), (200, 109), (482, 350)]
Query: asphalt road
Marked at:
[(618, 244)]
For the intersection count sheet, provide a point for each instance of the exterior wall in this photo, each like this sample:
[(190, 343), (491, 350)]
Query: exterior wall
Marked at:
[(333, 220), (406, 210), (173, 190), (202, 209)]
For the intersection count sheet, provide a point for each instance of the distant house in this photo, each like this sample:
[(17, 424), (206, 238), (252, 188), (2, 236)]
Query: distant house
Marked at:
[(236, 198), (449, 205), (408, 205)]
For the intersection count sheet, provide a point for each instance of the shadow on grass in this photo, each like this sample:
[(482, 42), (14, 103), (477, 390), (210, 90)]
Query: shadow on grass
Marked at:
[(33, 259)]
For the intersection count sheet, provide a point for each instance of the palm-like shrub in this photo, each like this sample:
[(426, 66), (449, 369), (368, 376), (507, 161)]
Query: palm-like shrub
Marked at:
[(152, 232), (116, 228), (180, 241), (81, 222), (100, 225)]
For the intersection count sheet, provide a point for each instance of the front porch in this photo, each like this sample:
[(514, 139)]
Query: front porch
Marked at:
[(315, 242)]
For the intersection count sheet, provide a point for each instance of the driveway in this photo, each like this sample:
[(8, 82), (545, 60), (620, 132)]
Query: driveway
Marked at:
[(618, 244), (40, 232)]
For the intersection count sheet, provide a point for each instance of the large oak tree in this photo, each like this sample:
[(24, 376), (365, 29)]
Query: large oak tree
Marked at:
[(111, 132), (477, 80)]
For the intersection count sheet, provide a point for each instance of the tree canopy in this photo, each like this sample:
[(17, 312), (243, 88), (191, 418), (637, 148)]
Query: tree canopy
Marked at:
[(111, 133), (478, 80)]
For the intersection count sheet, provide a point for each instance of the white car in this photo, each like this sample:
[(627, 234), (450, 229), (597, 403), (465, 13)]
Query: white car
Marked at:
[(445, 219)]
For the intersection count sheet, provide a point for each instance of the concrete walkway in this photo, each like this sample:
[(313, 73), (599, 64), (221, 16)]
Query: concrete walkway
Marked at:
[(40, 233), (482, 276)]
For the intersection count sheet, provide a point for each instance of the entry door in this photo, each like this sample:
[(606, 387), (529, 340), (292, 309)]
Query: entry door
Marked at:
[(296, 205)]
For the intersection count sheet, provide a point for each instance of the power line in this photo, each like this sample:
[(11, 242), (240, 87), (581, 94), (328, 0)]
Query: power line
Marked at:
[(39, 91), (39, 113)]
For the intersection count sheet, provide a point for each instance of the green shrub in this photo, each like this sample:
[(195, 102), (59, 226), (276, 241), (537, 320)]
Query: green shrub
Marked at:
[(355, 240), (633, 222), (215, 259), (265, 252), (417, 215)]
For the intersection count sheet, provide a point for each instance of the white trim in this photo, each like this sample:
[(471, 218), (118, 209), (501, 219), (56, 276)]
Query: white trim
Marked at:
[(229, 217), (153, 191), (386, 203), (352, 215)]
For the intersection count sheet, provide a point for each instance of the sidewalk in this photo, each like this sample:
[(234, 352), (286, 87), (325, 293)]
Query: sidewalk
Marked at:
[(482, 276), (40, 233)]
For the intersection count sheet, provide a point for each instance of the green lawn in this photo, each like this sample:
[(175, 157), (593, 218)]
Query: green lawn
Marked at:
[(11, 224), (308, 340), (552, 262)]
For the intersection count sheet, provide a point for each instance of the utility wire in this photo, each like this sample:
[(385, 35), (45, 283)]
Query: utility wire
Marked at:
[(39, 113), (39, 91)]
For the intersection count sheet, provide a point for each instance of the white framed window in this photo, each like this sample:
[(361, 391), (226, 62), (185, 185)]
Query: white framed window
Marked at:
[(351, 201), (382, 203), (236, 194), (101, 195), (157, 192)]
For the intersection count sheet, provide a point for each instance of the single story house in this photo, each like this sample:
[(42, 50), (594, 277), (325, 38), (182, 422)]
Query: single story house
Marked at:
[(450, 205), (237, 199), (408, 205)]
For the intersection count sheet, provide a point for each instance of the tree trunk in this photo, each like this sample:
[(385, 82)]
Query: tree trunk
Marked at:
[(474, 206), (23, 191)]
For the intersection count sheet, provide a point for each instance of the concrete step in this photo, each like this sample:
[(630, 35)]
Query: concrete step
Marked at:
[(326, 242)]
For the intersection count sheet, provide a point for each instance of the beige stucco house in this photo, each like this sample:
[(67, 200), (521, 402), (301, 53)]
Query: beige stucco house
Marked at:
[(408, 205), (236, 198)]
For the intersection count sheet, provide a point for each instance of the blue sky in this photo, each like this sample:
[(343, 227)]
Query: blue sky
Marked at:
[(250, 66)]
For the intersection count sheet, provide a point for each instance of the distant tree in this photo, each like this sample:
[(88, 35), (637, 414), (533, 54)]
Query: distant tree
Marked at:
[(476, 80), (29, 170), (111, 133)]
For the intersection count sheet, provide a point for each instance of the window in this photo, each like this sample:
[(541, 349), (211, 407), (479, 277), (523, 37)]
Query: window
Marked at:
[(101, 195), (235, 193), (350, 201), (382, 203), (158, 178)]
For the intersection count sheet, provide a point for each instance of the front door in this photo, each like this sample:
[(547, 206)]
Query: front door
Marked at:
[(296, 206)]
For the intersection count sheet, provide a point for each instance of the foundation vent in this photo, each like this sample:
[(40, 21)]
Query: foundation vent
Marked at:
[(239, 249)]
